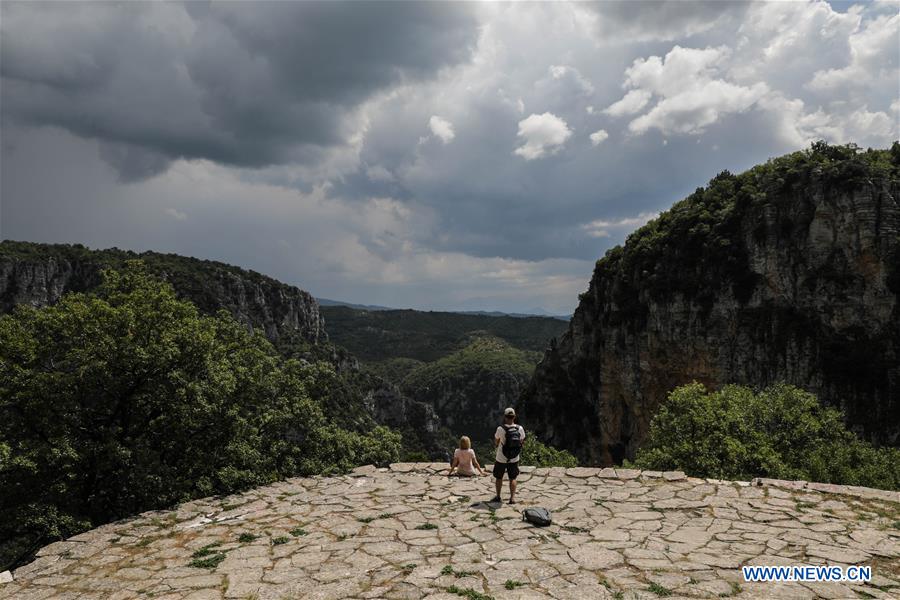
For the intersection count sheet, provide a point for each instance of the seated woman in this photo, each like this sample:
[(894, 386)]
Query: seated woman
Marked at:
[(464, 460)]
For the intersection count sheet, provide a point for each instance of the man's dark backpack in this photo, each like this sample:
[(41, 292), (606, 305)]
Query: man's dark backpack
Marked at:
[(537, 516), (513, 444)]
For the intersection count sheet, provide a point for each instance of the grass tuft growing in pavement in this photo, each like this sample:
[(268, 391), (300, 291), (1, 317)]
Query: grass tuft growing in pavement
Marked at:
[(206, 550), (468, 593), (449, 570), (209, 562)]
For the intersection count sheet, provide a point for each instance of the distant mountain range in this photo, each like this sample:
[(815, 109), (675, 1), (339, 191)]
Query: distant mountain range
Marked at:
[(533, 312)]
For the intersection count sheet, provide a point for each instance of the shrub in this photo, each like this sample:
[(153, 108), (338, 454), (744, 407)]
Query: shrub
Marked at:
[(538, 454), (535, 453), (781, 432)]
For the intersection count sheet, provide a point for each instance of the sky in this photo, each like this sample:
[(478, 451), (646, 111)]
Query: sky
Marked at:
[(442, 156)]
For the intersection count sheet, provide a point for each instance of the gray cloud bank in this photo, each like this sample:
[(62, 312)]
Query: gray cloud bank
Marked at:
[(442, 155), (239, 83)]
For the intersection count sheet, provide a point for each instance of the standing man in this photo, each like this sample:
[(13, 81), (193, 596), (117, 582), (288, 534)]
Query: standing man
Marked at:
[(508, 440)]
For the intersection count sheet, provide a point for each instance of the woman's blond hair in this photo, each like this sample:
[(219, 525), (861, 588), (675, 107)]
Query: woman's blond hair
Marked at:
[(465, 443)]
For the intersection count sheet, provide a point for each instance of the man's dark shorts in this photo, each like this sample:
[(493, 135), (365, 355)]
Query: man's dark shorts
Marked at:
[(512, 469)]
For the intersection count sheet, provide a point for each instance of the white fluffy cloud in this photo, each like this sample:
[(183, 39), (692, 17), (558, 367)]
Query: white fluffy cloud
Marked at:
[(442, 129), (780, 52), (598, 137), (631, 103), (873, 56), (544, 134), (692, 93), (698, 107)]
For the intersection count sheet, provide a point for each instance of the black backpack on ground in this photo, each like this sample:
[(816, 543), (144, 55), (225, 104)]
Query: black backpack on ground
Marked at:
[(537, 516), (512, 446)]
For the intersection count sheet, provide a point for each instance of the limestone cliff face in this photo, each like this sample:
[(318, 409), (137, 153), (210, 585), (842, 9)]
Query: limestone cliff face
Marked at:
[(469, 388), (789, 272), (472, 405), (279, 310), (416, 420), (42, 281)]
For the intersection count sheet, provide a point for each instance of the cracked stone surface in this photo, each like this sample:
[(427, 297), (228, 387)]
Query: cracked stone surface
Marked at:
[(410, 532)]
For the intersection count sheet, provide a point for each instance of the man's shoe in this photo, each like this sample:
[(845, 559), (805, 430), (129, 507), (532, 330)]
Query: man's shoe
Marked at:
[(496, 499)]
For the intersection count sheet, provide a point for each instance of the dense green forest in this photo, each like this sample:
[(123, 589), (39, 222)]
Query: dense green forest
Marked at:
[(379, 336), (127, 399), (482, 355), (780, 432)]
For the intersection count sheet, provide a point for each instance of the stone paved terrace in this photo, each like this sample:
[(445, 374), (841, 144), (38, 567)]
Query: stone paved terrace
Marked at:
[(409, 532)]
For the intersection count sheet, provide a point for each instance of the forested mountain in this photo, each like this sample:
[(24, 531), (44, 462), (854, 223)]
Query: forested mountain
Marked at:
[(39, 274), (788, 272), (376, 336), (466, 367)]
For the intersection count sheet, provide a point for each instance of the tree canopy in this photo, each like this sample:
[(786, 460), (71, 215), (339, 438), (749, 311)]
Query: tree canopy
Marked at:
[(127, 399), (781, 432)]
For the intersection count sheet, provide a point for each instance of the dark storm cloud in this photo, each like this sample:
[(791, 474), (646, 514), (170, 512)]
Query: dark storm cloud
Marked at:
[(246, 84), (405, 154)]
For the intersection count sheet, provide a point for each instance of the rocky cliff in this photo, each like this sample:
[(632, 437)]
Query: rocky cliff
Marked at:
[(472, 405), (38, 274), (787, 272)]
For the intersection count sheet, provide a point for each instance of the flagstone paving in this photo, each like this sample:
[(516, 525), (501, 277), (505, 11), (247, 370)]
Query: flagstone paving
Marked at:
[(409, 532)]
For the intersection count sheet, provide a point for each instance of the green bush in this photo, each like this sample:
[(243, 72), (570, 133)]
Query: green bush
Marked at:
[(781, 432), (535, 453), (128, 399), (538, 454)]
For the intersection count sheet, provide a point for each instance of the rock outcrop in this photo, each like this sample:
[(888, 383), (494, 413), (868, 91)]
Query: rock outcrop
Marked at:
[(472, 405), (417, 420), (408, 532), (788, 272), (470, 388), (39, 274)]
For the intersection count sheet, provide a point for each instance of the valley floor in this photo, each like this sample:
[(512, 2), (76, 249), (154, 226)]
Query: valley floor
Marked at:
[(409, 532)]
